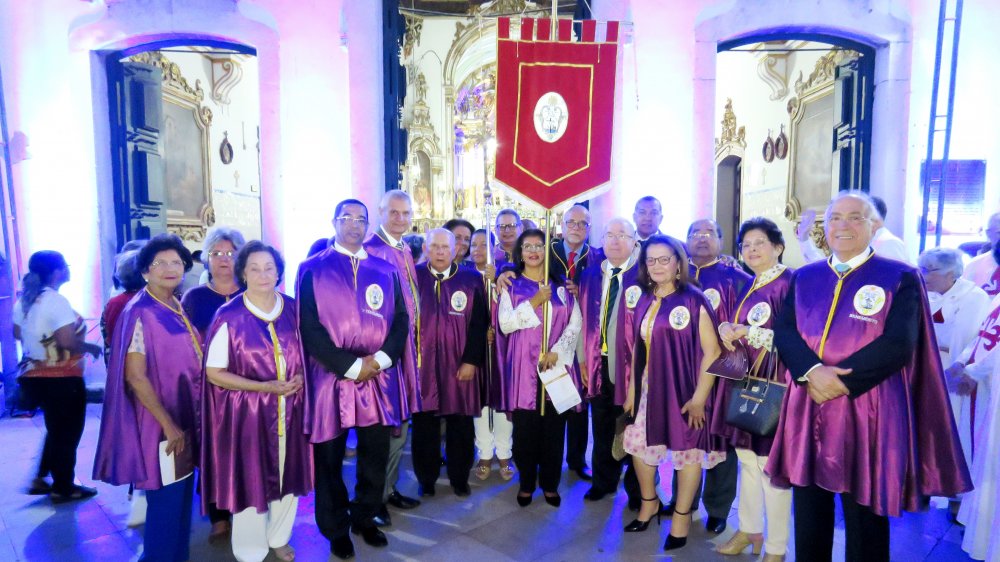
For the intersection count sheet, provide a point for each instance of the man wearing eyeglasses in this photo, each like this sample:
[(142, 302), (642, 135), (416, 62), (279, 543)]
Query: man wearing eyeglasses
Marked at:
[(568, 258), (354, 325), (386, 242), (508, 228), (608, 295), (868, 415), (721, 281)]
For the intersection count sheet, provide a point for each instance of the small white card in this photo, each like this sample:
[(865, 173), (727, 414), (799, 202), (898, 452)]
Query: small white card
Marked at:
[(174, 468), (560, 388)]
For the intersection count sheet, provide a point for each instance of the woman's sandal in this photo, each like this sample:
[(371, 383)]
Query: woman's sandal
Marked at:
[(285, 553)]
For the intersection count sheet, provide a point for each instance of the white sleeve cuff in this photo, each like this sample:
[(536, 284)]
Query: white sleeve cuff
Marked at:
[(383, 360), (805, 377), (354, 371)]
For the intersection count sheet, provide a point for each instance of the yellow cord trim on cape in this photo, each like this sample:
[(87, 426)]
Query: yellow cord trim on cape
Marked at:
[(180, 312), (754, 287), (697, 269), (280, 364), (836, 298)]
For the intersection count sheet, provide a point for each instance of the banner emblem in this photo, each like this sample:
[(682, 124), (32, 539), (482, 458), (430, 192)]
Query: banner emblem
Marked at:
[(551, 117)]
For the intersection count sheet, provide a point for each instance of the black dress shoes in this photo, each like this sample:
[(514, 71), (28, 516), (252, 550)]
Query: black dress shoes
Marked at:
[(382, 518), (553, 500), (342, 547), (583, 473), (715, 525), (371, 535), (593, 494), (402, 502), (462, 489), (523, 501), (426, 491)]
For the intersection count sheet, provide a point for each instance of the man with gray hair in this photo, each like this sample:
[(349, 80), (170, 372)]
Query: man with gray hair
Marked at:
[(453, 321), (958, 308), (608, 295), (983, 270), (386, 242), (863, 418)]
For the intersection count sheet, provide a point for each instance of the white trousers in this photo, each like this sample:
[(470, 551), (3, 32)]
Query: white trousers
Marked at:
[(255, 534), (498, 440), (758, 496)]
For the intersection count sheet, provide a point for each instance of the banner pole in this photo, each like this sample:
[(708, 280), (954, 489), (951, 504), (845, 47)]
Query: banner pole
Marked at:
[(547, 307), (553, 32)]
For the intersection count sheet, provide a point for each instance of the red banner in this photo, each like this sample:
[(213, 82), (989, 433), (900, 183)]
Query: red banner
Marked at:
[(555, 109)]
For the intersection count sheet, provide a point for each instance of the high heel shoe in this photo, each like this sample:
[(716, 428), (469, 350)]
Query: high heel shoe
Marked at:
[(740, 541), (523, 501), (673, 543), (554, 500), (637, 525)]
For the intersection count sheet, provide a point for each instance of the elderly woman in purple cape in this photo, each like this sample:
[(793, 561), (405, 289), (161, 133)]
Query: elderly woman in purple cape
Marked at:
[(151, 401), (219, 256), (669, 394), (493, 429), (538, 428), (255, 456), (761, 244)]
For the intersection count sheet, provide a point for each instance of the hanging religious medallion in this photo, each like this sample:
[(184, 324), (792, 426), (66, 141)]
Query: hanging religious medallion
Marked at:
[(781, 145), (714, 298), (459, 300), (551, 116), (759, 314), (374, 296), (680, 317), (632, 295), (561, 293), (869, 300), (768, 150), (226, 149)]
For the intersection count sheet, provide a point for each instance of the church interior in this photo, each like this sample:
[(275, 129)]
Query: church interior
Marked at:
[(124, 119)]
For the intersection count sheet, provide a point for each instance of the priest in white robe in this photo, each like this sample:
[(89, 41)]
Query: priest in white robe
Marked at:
[(958, 308)]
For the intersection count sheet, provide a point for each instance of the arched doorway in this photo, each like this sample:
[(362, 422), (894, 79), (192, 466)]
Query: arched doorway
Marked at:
[(804, 103)]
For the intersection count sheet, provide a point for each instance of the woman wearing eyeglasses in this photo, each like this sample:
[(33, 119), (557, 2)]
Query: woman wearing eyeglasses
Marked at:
[(538, 428), (761, 244), (151, 401), (669, 394), (219, 256), (255, 453)]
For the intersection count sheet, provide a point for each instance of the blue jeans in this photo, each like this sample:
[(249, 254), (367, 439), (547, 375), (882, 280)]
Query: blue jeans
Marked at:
[(167, 537)]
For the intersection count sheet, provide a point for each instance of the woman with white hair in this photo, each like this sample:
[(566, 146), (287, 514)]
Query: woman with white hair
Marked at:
[(200, 305), (958, 307)]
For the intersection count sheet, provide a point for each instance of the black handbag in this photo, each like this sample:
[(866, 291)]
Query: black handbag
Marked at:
[(755, 405)]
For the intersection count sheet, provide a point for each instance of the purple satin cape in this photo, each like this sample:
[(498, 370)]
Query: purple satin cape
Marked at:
[(494, 375), (672, 361), (521, 348), (239, 447), (591, 295), (445, 314), (772, 295), (723, 280), (200, 304), (891, 445), (129, 439), (335, 404), (409, 363)]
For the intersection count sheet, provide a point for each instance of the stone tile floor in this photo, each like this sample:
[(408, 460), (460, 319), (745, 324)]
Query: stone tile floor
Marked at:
[(486, 526)]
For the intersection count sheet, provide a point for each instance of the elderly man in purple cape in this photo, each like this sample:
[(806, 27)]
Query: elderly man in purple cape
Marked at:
[(721, 282), (386, 242), (454, 320), (608, 293), (255, 454), (868, 416), (354, 328), (152, 398)]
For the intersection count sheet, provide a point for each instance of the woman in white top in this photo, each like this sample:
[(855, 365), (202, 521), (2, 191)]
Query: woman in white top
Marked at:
[(255, 454), (51, 371)]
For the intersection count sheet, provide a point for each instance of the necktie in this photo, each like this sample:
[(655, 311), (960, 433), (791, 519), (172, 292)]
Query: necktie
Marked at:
[(571, 269), (399, 245), (440, 276), (842, 269), (437, 285), (608, 305)]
